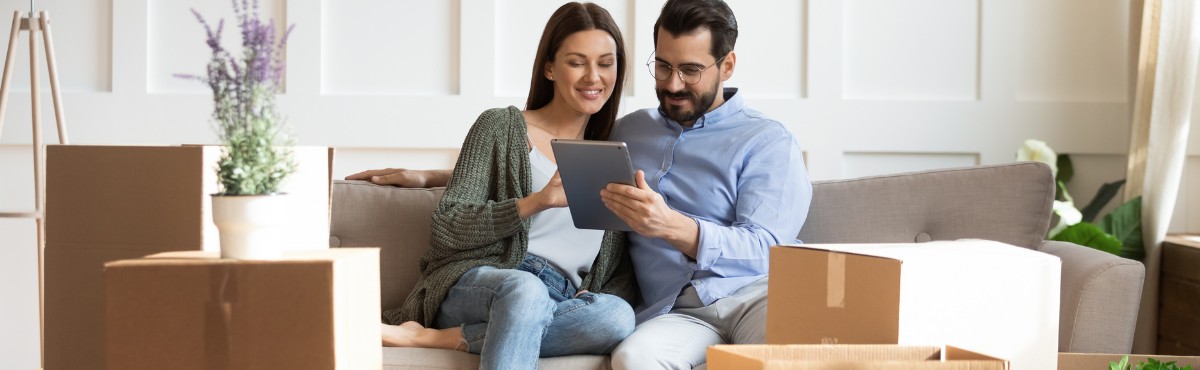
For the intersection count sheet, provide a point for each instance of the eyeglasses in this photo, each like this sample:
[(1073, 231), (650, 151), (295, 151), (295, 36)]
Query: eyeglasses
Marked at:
[(689, 74)]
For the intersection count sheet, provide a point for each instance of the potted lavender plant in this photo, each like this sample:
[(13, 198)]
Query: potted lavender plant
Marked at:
[(256, 156)]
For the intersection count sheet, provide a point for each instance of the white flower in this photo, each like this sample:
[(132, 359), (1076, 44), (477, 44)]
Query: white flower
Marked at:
[(1067, 215), (1037, 150)]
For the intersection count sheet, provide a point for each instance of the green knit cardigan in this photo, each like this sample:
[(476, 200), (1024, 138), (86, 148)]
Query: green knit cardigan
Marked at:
[(476, 222)]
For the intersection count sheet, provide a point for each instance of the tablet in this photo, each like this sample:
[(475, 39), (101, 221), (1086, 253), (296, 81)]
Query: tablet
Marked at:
[(586, 167)]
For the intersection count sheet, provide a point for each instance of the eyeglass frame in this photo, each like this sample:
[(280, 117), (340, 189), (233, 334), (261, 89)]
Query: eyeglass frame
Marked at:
[(650, 65)]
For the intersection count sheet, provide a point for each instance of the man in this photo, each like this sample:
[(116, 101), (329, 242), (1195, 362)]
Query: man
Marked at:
[(721, 184)]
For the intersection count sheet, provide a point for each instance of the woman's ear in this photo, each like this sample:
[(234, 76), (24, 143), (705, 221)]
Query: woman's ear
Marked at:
[(548, 71), (727, 65)]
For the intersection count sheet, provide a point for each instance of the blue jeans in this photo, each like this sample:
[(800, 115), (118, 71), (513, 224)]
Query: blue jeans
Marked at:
[(510, 317)]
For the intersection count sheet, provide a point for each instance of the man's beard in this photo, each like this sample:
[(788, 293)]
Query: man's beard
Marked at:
[(700, 104)]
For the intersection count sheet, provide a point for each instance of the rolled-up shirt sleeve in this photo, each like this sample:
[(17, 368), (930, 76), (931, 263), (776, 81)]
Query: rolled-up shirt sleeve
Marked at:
[(773, 196)]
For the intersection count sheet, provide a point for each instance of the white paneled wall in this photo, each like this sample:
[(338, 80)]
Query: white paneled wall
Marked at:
[(910, 50), (772, 61), (868, 87), (1067, 61), (377, 48)]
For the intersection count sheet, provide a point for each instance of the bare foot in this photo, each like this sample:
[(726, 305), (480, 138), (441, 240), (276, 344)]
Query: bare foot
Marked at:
[(413, 334), (403, 335)]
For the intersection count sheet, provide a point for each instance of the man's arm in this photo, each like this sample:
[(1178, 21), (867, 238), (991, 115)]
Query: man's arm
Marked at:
[(773, 196), (404, 178), (648, 214)]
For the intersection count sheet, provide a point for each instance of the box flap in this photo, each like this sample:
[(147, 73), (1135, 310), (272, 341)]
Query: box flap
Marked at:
[(214, 258), (940, 249), (864, 249), (742, 357)]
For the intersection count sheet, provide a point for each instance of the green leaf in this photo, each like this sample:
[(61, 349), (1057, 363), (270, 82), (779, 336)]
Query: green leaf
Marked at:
[(1103, 196), (1089, 235), (1123, 365), (1065, 169), (1125, 224)]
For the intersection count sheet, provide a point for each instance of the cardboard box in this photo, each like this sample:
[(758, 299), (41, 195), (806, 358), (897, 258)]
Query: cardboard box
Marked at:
[(193, 310), (1093, 361), (158, 198), (106, 203), (847, 356), (983, 296)]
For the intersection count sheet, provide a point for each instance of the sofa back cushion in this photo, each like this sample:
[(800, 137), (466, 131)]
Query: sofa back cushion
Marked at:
[(396, 220), (1009, 203)]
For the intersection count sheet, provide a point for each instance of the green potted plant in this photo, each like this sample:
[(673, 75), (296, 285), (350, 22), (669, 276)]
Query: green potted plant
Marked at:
[(1119, 232), (256, 156), (1149, 364)]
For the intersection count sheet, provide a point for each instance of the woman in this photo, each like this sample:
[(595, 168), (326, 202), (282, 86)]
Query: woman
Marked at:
[(507, 275)]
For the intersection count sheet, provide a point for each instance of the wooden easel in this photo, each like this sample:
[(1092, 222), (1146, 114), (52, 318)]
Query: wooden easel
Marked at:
[(35, 22)]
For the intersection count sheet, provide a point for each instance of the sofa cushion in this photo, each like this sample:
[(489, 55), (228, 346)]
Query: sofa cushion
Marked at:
[(396, 220), (1009, 203)]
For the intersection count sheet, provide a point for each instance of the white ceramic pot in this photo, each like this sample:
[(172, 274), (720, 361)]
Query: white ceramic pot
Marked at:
[(251, 226)]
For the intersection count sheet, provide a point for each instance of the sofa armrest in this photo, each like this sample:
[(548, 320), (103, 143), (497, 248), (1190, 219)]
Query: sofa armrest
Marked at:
[(1101, 293)]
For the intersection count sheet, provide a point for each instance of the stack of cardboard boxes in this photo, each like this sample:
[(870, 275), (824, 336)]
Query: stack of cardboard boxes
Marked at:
[(996, 302)]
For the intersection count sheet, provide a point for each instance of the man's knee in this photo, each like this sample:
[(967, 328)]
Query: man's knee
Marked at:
[(630, 355), (627, 357)]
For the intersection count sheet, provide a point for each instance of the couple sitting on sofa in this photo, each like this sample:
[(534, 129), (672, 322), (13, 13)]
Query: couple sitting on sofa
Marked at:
[(509, 277)]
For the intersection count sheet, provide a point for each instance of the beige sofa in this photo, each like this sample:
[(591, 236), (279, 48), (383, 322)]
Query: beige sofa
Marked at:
[(1008, 203)]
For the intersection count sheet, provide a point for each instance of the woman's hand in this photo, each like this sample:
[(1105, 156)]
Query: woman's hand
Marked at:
[(551, 196), (404, 178)]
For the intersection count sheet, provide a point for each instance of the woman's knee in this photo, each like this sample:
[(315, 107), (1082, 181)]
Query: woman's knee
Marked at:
[(615, 316), (522, 292)]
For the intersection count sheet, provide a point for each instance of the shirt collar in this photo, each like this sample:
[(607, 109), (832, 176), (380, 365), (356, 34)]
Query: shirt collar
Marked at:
[(733, 104)]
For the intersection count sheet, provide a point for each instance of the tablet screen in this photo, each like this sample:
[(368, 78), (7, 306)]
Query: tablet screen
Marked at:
[(586, 167)]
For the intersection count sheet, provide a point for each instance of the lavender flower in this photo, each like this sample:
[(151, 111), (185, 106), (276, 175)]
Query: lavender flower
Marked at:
[(256, 155)]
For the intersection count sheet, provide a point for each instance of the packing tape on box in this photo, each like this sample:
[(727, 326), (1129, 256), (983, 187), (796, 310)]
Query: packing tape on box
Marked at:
[(218, 318), (835, 287)]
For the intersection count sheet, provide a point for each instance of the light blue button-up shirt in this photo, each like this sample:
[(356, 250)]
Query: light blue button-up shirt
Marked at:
[(739, 175)]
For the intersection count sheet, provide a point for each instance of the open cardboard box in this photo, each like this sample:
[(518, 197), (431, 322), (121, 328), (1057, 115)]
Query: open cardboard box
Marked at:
[(194, 310), (847, 356), (983, 296), (106, 203)]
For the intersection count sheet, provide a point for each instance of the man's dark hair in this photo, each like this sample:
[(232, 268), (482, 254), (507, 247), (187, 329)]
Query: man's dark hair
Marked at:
[(681, 17)]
